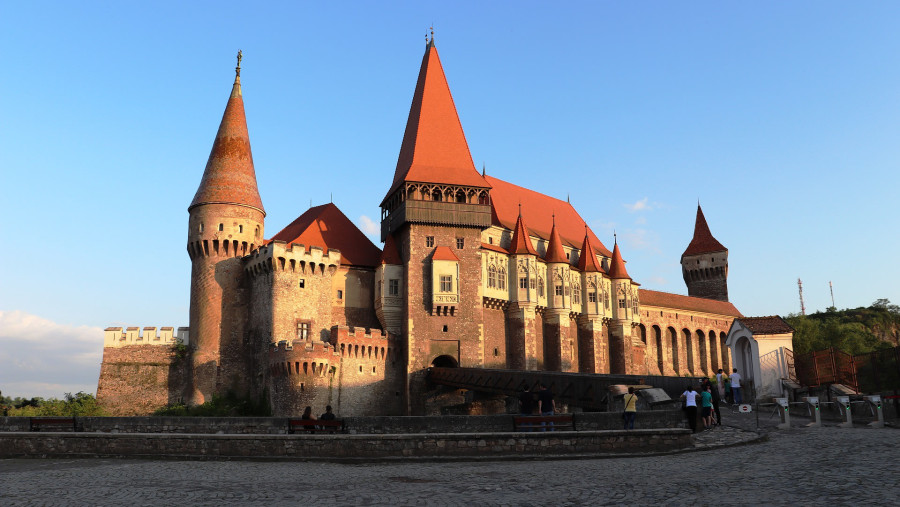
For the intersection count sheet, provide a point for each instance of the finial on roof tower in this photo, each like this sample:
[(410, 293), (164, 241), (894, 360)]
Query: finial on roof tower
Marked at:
[(520, 208), (482, 169), (240, 56), (554, 219), (567, 198), (615, 239)]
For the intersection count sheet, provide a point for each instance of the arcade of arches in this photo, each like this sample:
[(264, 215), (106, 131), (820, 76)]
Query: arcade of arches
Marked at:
[(679, 343)]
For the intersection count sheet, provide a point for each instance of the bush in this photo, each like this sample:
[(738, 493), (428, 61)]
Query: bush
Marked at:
[(227, 405), (80, 404)]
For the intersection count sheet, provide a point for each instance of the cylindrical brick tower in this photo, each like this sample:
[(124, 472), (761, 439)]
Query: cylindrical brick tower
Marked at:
[(225, 223)]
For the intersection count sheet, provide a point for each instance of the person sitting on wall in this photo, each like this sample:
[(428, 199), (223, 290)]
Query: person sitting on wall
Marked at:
[(546, 405), (307, 416)]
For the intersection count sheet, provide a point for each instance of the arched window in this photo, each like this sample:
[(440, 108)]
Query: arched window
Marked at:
[(436, 195), (501, 280), (492, 277), (460, 196)]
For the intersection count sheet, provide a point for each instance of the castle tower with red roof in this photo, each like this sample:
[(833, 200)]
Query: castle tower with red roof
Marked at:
[(436, 208), (523, 351), (704, 263), (625, 352), (225, 223), (560, 291)]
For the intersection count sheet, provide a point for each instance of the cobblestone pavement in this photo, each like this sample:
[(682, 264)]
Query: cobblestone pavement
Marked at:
[(800, 466)]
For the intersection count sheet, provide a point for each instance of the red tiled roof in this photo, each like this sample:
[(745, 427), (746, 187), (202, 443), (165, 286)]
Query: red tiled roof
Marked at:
[(679, 302), (390, 254), (521, 240), (443, 253), (703, 241), (229, 176), (434, 148), (538, 210), (555, 252), (588, 260), (495, 248), (617, 265), (327, 227), (766, 325)]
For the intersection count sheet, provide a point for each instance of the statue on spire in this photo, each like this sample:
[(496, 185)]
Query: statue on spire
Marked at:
[(240, 56)]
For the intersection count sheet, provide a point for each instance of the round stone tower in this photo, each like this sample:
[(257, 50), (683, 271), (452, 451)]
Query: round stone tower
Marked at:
[(225, 223)]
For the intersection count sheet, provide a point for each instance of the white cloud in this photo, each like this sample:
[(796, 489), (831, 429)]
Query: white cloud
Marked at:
[(369, 226), (641, 239), (44, 358), (640, 221), (641, 205)]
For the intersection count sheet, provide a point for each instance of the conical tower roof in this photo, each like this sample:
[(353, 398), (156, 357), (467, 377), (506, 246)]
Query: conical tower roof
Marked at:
[(521, 240), (617, 265), (588, 260), (555, 252), (390, 254), (229, 177), (434, 148), (703, 241)]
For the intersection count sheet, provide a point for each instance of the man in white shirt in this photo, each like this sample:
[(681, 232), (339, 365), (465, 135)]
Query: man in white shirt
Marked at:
[(736, 387)]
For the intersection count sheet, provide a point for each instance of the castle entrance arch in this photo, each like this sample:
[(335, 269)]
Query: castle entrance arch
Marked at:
[(444, 361)]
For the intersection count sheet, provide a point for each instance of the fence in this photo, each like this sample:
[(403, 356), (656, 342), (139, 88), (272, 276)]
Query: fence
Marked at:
[(873, 372)]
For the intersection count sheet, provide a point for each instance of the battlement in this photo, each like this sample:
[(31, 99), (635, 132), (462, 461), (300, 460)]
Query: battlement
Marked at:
[(116, 337), (294, 258)]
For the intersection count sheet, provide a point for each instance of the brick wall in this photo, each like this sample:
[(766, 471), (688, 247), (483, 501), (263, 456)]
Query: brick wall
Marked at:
[(139, 379)]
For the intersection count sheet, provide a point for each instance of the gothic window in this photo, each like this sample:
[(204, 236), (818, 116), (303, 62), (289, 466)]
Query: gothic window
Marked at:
[(577, 295), (622, 303), (592, 296), (393, 287), (429, 241), (446, 283), (436, 195), (558, 290), (501, 278), (606, 299), (492, 276), (460, 243), (303, 330), (567, 290), (531, 283), (460, 196), (541, 287), (523, 282)]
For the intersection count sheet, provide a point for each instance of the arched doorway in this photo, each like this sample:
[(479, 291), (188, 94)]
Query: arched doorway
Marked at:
[(444, 362), (743, 359)]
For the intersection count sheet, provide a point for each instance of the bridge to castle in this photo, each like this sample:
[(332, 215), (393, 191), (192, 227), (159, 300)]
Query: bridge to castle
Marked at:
[(586, 390)]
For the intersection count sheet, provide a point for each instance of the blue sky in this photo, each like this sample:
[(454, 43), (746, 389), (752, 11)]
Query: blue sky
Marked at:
[(781, 118)]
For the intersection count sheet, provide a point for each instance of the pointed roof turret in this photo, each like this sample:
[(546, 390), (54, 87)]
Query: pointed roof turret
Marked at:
[(521, 239), (555, 252), (703, 241), (390, 254), (229, 177), (617, 265), (434, 148), (587, 262)]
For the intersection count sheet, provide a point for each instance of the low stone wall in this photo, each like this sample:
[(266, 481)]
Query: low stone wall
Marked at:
[(355, 425), (337, 447)]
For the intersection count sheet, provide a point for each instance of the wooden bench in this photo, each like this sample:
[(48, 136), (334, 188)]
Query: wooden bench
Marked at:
[(563, 422), (54, 424), (314, 426)]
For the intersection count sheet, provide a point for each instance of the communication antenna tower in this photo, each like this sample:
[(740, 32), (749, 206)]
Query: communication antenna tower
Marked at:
[(832, 294), (802, 306)]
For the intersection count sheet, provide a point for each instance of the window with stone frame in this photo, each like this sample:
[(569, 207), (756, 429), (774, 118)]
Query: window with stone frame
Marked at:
[(558, 290), (303, 330), (501, 278), (531, 283), (429, 241), (393, 287), (492, 277), (523, 282), (541, 287), (577, 298), (592, 296), (446, 283), (460, 243), (606, 299)]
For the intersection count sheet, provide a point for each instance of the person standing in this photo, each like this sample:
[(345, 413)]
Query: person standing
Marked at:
[(736, 387), (690, 406), (546, 405), (630, 410), (706, 406), (716, 399), (720, 383)]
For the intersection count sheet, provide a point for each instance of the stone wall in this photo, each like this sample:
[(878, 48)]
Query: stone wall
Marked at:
[(139, 379), (324, 447)]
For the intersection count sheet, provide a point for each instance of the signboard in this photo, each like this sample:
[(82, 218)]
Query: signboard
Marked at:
[(745, 408)]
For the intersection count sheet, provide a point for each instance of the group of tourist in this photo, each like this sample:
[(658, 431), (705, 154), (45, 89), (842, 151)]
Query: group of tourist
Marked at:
[(327, 416), (709, 399)]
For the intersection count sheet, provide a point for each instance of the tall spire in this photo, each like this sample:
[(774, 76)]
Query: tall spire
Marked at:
[(434, 148), (555, 252), (229, 177), (521, 240), (617, 265), (588, 260), (703, 241)]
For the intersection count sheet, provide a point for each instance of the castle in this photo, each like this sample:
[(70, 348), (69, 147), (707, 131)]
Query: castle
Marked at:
[(475, 272)]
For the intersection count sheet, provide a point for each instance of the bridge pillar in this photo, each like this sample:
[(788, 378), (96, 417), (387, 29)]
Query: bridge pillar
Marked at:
[(593, 345), (560, 355), (523, 343)]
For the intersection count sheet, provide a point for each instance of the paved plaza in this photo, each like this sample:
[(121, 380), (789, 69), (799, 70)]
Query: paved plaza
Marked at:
[(800, 466)]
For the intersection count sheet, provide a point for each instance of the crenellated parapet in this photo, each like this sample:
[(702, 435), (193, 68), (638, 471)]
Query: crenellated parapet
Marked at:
[(279, 256), (117, 337)]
